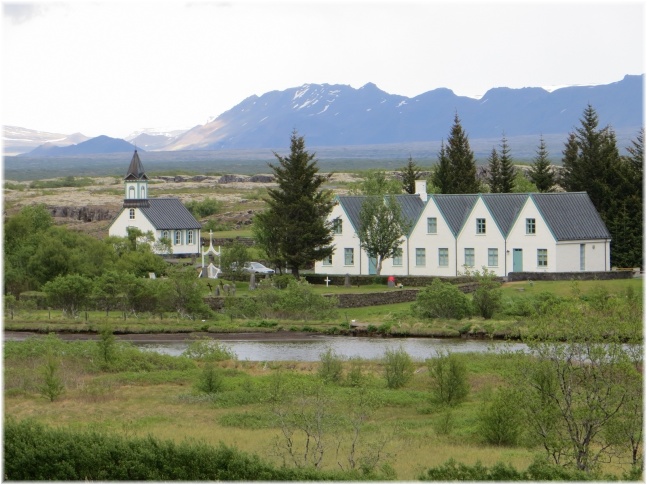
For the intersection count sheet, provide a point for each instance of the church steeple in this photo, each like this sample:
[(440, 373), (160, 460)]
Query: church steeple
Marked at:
[(136, 184)]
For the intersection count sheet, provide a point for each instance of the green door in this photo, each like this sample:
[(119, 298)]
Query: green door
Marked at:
[(372, 265), (517, 260)]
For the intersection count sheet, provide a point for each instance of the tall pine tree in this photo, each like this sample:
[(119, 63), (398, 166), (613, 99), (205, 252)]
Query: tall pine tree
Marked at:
[(508, 172), (593, 164), (441, 172), (541, 173), (298, 209), (494, 172), (461, 176), (410, 174)]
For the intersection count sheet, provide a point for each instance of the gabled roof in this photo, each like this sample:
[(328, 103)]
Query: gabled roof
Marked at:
[(169, 214), (411, 206), (504, 209), (455, 208), (135, 169), (571, 216)]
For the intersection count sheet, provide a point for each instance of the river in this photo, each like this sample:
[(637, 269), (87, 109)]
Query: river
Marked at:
[(346, 347), (305, 347)]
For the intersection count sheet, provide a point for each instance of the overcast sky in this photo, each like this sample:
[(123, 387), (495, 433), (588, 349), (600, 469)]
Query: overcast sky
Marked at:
[(112, 67)]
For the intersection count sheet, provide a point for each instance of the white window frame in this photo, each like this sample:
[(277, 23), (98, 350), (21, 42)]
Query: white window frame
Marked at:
[(189, 236), (397, 257), (421, 257), (531, 226), (432, 225), (493, 257), (327, 261), (443, 257), (469, 257), (177, 240), (131, 214), (480, 225), (349, 257), (337, 226), (542, 258)]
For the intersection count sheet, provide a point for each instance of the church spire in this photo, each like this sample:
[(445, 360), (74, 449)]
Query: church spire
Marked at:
[(136, 184), (136, 169)]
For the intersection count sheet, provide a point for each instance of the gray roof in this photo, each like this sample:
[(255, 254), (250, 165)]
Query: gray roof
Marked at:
[(455, 208), (504, 209), (169, 214), (571, 216), (135, 169), (411, 206)]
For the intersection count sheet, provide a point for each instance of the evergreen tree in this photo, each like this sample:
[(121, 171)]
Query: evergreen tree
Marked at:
[(593, 164), (540, 173), (494, 172), (410, 173), (441, 175), (508, 171), (299, 207), (462, 164)]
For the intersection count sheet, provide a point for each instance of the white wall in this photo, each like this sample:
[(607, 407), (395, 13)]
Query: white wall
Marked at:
[(481, 243), (596, 256), (347, 239), (443, 238), (123, 221)]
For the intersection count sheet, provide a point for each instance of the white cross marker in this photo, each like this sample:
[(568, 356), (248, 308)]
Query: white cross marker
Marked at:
[(327, 280)]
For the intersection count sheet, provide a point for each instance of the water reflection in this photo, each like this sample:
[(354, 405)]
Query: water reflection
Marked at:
[(347, 347)]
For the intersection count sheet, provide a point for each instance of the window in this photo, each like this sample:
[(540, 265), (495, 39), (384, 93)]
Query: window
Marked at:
[(165, 235), (131, 213), (530, 226), (328, 261), (480, 226), (421, 257), (542, 258), (432, 225), (443, 257), (469, 256), (336, 226), (349, 256), (178, 237), (397, 257), (189, 237), (493, 257), (143, 192), (131, 192), (582, 257)]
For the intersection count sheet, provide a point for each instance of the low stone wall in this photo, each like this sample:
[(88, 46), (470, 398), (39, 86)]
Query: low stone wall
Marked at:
[(406, 281), (371, 299), (580, 275)]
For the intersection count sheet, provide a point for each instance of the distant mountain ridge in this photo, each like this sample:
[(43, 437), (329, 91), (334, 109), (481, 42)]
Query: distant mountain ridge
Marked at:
[(339, 115), (99, 144), (342, 116)]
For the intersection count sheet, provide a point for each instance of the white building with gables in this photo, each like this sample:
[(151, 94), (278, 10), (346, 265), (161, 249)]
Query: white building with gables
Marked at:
[(535, 232), (164, 217)]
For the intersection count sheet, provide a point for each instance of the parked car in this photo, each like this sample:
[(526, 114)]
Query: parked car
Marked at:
[(257, 268)]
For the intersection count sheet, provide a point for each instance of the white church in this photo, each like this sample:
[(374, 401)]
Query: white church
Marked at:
[(164, 217)]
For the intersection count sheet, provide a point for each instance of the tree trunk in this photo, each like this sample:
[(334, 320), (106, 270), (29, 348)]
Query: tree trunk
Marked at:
[(295, 272)]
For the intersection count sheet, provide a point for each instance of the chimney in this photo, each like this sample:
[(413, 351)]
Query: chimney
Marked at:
[(421, 189)]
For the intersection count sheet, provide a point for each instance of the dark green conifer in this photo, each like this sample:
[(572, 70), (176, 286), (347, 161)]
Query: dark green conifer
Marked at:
[(541, 173)]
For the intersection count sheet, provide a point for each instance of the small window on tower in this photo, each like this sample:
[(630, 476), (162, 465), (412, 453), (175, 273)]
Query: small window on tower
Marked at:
[(132, 213)]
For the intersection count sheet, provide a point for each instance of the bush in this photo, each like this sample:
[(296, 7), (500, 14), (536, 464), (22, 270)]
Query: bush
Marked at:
[(487, 296), (398, 368), (208, 350), (441, 300), (204, 208), (355, 376), (450, 385), (500, 422), (211, 380), (330, 369)]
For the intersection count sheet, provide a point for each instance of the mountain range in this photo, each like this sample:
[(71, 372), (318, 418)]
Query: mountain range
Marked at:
[(339, 115)]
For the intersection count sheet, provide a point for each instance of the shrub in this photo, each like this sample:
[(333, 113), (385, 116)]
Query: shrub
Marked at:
[(204, 208), (398, 368), (52, 385), (441, 300), (330, 368), (355, 376), (500, 422), (211, 380), (487, 296), (450, 385), (208, 350)]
